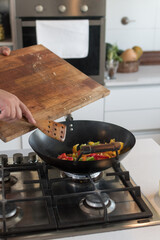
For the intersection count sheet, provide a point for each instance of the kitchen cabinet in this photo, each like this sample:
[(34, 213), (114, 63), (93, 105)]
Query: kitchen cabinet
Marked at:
[(93, 111), (12, 145), (135, 103), (143, 27), (135, 108)]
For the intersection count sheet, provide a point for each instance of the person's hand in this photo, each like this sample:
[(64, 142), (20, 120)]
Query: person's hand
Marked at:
[(5, 51), (11, 108)]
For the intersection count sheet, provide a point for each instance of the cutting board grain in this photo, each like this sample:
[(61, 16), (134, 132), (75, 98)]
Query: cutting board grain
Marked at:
[(48, 85)]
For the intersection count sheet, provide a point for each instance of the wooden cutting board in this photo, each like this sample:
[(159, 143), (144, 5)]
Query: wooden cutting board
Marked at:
[(48, 85)]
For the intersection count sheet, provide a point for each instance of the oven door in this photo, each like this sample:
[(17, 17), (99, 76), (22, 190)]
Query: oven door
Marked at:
[(93, 65)]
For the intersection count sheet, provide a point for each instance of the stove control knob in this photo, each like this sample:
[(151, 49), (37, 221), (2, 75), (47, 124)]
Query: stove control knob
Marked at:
[(39, 8), (62, 8), (32, 157), (17, 158), (84, 8), (3, 159)]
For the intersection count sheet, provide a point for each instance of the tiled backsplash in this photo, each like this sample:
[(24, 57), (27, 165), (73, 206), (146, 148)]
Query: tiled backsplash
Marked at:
[(143, 31)]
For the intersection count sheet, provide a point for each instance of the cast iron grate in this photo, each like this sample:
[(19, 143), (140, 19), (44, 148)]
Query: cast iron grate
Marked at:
[(59, 215), (45, 198)]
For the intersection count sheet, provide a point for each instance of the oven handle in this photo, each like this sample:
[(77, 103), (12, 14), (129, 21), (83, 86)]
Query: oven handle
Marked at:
[(33, 23)]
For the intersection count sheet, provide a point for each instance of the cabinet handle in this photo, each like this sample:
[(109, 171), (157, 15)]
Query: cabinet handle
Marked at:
[(126, 20)]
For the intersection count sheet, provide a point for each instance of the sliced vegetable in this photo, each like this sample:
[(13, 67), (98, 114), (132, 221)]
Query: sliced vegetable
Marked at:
[(92, 156), (74, 149)]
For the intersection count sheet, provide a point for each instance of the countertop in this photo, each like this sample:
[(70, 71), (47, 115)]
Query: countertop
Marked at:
[(147, 75)]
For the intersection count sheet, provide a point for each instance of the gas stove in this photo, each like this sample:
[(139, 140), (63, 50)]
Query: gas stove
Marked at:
[(38, 200)]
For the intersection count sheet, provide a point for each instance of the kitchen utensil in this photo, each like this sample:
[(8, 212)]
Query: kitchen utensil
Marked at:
[(52, 129), (48, 85), (115, 146), (81, 132)]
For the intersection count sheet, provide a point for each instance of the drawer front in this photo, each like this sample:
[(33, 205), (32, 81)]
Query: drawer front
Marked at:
[(93, 111), (135, 120), (133, 98), (11, 145)]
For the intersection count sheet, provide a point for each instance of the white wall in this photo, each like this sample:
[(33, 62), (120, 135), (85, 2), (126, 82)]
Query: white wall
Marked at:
[(144, 31)]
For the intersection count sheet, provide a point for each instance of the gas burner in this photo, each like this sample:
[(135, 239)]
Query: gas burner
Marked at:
[(6, 176), (93, 201), (10, 210), (12, 181), (92, 204), (13, 214), (95, 176), (9, 180)]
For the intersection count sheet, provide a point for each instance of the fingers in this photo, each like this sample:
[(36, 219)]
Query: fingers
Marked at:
[(3, 115), (19, 114), (9, 115), (27, 114), (11, 108), (5, 51), (6, 116)]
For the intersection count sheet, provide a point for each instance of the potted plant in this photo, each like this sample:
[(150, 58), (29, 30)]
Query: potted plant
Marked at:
[(112, 60)]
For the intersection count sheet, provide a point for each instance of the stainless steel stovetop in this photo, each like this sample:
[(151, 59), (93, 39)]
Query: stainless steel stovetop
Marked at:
[(44, 203)]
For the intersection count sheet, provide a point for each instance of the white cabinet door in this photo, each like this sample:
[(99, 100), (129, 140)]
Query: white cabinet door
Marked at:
[(93, 111), (11, 145), (133, 98), (144, 16), (135, 120), (134, 108), (143, 13), (25, 143)]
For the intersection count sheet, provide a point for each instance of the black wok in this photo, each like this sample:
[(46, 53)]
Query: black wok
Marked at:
[(81, 132)]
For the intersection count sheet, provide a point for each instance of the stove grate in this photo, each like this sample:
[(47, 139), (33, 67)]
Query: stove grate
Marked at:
[(61, 199), (8, 224)]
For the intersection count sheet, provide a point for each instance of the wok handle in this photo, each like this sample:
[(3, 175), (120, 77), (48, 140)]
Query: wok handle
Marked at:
[(100, 148)]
